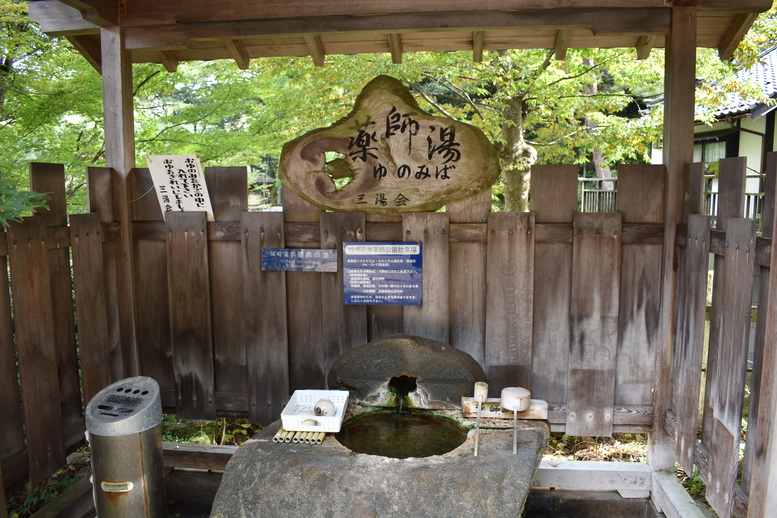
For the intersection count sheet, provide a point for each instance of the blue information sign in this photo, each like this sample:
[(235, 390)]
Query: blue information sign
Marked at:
[(299, 260), (382, 273)]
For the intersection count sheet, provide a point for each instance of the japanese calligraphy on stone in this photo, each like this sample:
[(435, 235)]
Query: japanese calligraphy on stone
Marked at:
[(388, 156), (180, 183)]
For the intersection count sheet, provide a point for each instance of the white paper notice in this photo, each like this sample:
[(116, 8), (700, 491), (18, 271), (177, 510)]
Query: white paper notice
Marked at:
[(180, 183)]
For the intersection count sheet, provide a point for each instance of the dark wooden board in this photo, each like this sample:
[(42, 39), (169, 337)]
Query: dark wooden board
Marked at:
[(91, 305), (728, 389), (101, 201), (11, 425), (50, 179), (594, 323), (510, 295), (36, 347), (689, 337), (151, 287), (264, 302), (468, 277), (640, 201), (554, 202), (190, 314), (228, 191), (431, 319), (343, 327)]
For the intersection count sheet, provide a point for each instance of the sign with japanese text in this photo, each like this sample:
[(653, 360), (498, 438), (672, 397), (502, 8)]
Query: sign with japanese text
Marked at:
[(382, 273), (299, 260), (388, 157), (180, 183)]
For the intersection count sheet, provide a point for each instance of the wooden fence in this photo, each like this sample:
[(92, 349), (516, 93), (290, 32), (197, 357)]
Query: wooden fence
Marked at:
[(563, 302)]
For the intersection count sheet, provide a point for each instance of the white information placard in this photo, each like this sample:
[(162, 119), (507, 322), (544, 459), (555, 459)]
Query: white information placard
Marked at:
[(180, 183)]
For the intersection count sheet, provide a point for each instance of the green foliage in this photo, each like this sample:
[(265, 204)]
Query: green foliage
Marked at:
[(16, 203), (220, 431)]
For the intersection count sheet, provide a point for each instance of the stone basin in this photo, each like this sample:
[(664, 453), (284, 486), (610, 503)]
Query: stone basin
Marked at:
[(266, 479)]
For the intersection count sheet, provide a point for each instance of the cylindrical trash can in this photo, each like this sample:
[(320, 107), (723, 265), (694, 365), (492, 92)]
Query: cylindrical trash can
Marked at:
[(123, 424)]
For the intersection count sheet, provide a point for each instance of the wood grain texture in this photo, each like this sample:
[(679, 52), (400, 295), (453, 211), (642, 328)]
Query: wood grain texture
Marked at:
[(510, 295), (641, 192), (228, 191), (343, 326), (431, 319), (728, 389), (91, 304), (50, 179), (689, 337), (594, 323), (151, 286), (468, 276), (264, 302), (100, 182), (554, 202), (35, 342), (190, 315)]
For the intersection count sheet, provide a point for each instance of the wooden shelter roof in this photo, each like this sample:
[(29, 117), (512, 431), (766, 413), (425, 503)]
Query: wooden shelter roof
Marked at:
[(169, 32)]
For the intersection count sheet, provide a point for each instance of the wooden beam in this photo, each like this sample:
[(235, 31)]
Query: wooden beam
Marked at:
[(104, 13), (395, 45), (679, 85), (671, 498), (87, 47), (168, 60), (239, 54), (57, 19), (316, 49), (735, 34), (593, 476), (120, 156), (645, 45), (562, 43), (477, 46)]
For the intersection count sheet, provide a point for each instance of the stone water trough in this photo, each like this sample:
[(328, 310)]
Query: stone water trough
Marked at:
[(425, 376)]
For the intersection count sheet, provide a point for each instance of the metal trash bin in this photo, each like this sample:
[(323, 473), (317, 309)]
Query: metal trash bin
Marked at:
[(123, 425)]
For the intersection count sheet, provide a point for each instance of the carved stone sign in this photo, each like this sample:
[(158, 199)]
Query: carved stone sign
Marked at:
[(388, 156)]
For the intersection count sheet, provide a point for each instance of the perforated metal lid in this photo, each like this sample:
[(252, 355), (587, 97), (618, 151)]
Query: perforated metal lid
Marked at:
[(129, 406)]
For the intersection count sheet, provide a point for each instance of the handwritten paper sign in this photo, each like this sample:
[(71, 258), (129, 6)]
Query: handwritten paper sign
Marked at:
[(180, 183), (382, 273), (299, 260)]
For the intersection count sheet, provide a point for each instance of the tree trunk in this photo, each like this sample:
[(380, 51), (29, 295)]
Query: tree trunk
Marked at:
[(517, 157)]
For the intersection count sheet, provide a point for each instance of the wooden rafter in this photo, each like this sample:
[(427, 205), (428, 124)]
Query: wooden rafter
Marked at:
[(316, 49), (239, 53), (562, 43), (735, 34), (395, 45), (99, 12), (87, 47), (645, 45), (168, 60)]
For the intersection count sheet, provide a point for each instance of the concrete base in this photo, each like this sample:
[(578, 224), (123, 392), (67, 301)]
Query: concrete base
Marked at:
[(298, 480), (587, 504)]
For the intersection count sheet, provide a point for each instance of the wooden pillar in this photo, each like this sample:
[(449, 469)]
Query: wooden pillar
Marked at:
[(120, 157), (679, 88)]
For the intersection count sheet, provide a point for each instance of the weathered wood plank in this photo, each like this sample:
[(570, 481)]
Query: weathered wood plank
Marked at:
[(731, 363), (89, 285), (689, 337), (731, 201), (99, 180), (510, 296), (11, 425), (641, 194), (228, 191), (50, 178), (151, 286), (343, 327), (190, 315), (38, 361), (594, 323), (468, 276), (303, 292), (264, 301), (554, 202), (763, 441), (430, 319)]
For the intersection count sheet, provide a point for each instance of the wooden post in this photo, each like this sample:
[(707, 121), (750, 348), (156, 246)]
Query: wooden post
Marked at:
[(120, 156), (680, 83)]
